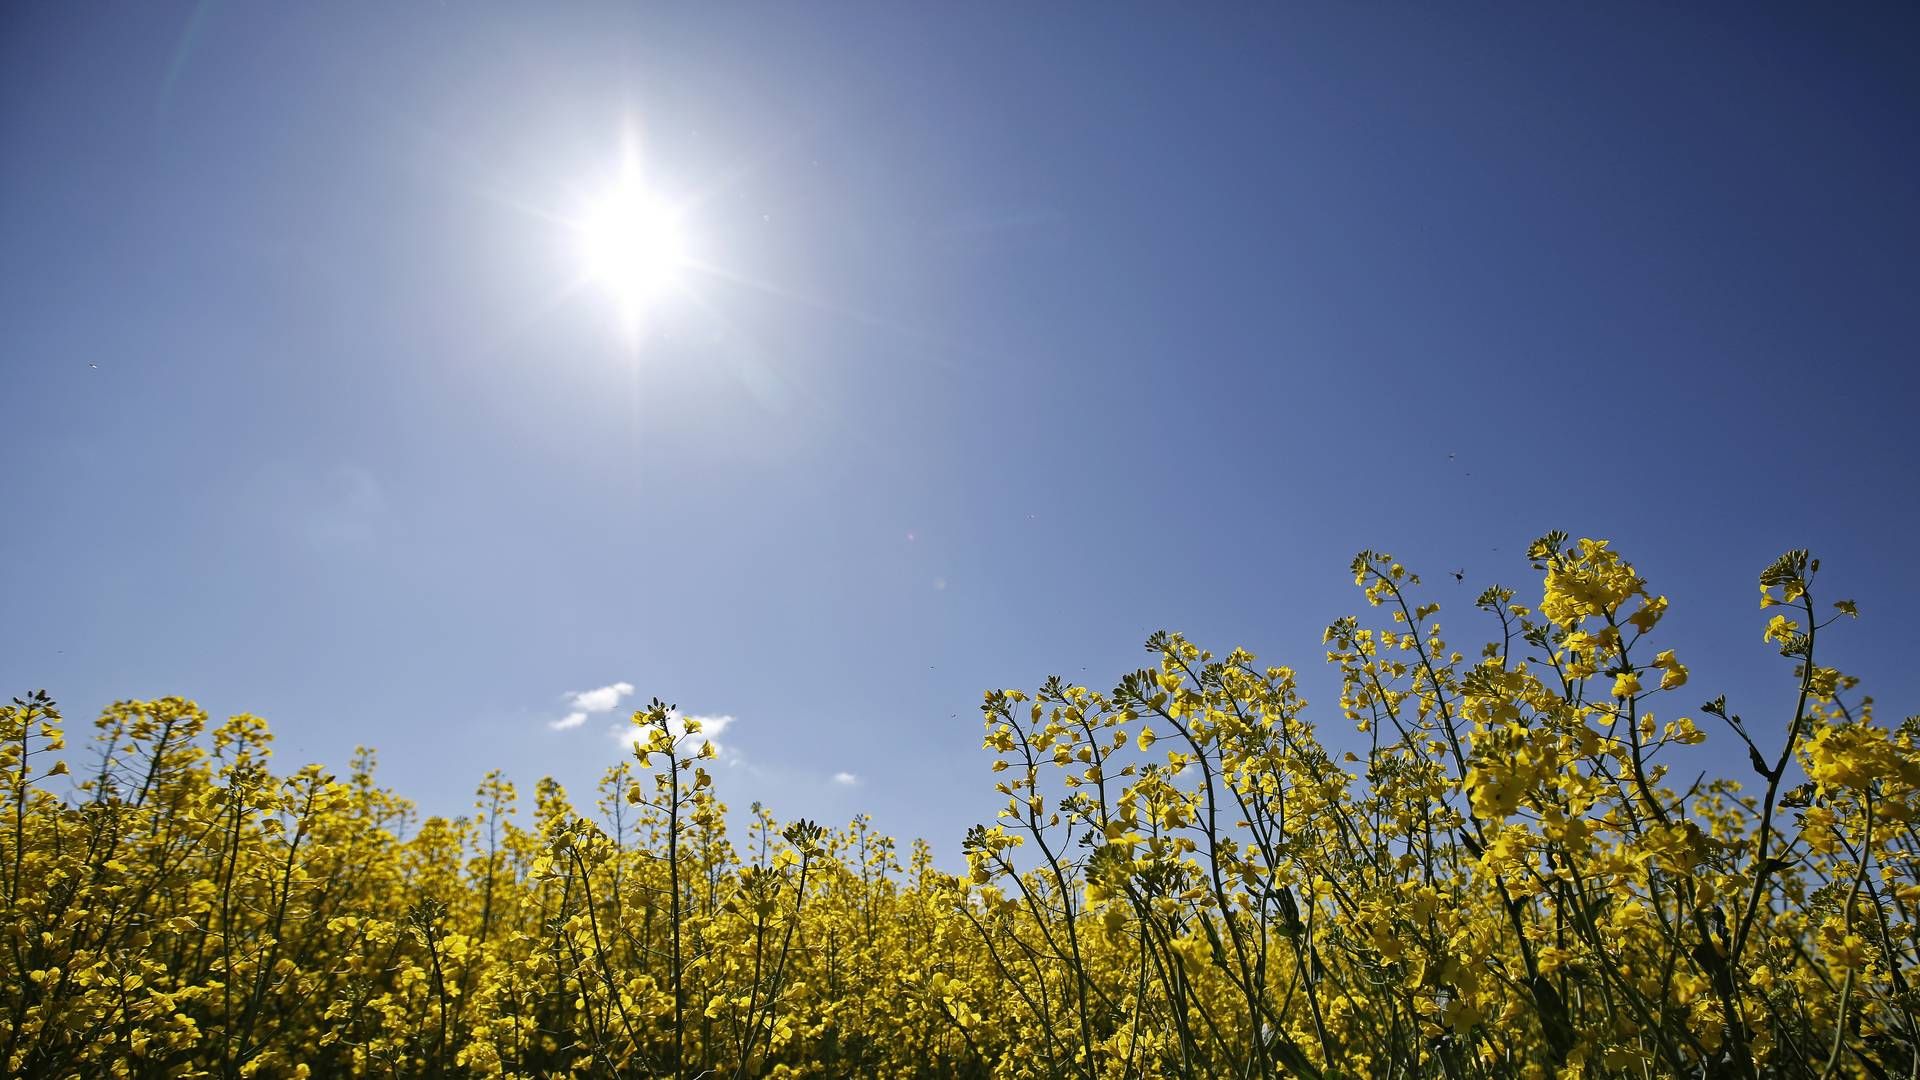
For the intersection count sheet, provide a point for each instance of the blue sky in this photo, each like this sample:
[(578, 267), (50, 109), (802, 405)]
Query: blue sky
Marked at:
[(1015, 336)]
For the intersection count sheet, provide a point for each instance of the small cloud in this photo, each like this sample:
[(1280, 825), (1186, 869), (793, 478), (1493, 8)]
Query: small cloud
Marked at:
[(846, 779), (333, 511), (584, 702), (710, 727), (602, 699), (939, 584)]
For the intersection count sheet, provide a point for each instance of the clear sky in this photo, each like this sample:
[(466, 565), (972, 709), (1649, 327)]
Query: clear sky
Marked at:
[(1011, 335)]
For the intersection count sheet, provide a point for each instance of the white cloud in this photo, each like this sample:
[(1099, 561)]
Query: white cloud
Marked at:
[(711, 728), (582, 703), (846, 779), (602, 699)]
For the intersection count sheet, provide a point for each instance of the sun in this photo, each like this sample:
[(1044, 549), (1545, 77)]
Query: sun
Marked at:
[(633, 245)]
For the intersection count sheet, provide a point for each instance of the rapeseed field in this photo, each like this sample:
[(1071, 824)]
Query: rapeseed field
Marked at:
[(1515, 877)]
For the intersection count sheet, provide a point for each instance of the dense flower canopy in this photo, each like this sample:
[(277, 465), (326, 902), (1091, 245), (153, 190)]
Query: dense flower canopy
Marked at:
[(1182, 881)]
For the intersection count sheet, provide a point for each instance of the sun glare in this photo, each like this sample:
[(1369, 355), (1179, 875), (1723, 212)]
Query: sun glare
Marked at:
[(634, 246)]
